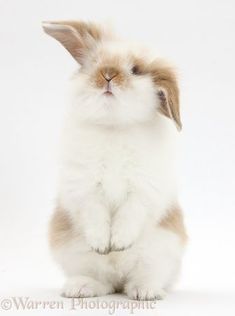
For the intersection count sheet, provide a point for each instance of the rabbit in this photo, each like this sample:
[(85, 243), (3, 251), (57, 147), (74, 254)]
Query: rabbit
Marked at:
[(117, 224)]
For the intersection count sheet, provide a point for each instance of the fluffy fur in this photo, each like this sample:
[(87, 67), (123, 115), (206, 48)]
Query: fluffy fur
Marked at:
[(117, 224)]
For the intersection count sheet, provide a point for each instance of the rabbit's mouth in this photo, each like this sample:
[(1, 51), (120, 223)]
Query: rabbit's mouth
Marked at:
[(108, 91)]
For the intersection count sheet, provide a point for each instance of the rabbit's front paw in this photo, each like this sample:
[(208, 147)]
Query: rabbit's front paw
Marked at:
[(99, 241), (121, 239), (127, 225)]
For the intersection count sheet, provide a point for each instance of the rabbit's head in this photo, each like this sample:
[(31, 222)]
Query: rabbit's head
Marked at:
[(118, 83)]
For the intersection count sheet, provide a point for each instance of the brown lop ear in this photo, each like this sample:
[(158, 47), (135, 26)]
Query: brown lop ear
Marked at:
[(168, 91), (76, 37)]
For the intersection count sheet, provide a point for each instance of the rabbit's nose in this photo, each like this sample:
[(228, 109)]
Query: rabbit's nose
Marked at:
[(109, 73)]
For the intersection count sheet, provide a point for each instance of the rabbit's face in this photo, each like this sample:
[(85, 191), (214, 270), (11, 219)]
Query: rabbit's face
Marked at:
[(117, 83), (113, 87)]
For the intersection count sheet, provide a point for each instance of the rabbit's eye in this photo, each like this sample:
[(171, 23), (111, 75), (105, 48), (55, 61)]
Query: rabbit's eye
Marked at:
[(135, 70)]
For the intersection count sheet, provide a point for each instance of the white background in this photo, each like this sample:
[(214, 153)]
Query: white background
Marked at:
[(198, 37)]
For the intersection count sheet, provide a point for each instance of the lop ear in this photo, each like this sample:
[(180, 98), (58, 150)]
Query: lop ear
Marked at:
[(76, 37), (168, 92)]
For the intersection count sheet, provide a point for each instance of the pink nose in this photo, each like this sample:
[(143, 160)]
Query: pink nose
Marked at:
[(109, 73)]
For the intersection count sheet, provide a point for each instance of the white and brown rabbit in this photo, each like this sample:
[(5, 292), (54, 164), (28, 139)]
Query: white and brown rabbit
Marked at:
[(117, 225)]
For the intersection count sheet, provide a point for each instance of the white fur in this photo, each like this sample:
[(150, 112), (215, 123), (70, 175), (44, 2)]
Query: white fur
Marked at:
[(118, 179)]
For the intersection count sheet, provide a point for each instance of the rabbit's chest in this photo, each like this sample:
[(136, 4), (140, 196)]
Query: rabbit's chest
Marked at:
[(114, 165), (117, 168)]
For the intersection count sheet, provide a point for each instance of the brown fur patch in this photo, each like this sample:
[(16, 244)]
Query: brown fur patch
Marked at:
[(84, 28), (165, 78), (174, 222), (60, 228), (75, 36), (111, 67), (120, 79), (141, 65)]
